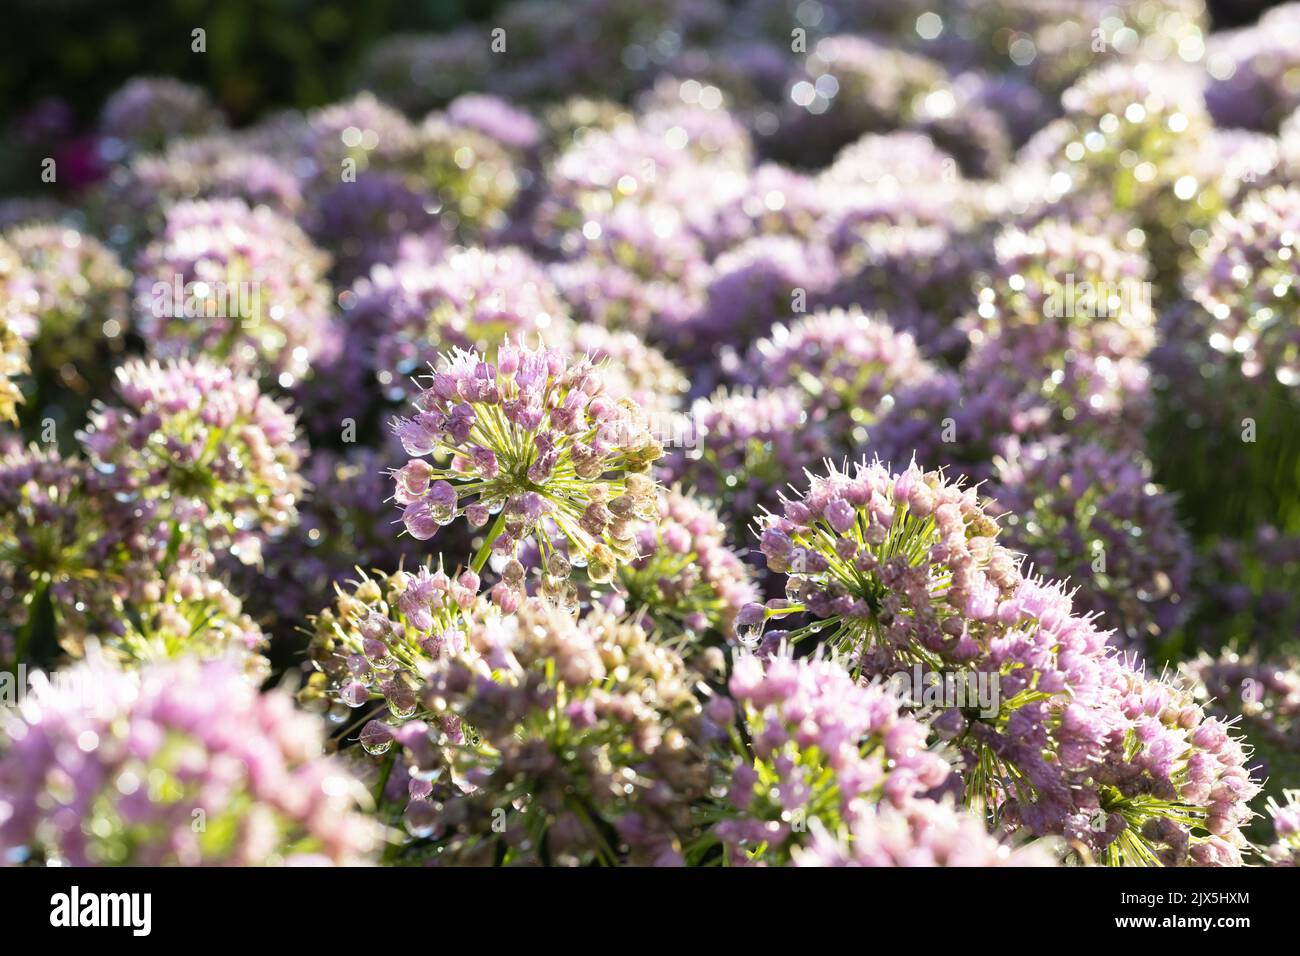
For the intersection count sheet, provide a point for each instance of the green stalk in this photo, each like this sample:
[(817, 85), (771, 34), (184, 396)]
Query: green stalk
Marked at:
[(36, 610), (480, 559)]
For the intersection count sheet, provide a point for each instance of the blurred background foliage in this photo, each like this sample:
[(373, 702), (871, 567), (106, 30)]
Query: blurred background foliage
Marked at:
[(260, 53)]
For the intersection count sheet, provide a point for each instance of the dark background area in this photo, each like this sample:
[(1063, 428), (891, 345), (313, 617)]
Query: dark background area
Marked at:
[(261, 53)]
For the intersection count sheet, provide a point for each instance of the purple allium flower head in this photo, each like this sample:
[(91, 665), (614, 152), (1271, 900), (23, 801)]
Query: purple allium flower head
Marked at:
[(1132, 135), (382, 638), (132, 202), (905, 571), (563, 706), (1246, 281), (1261, 696), (919, 833), (1068, 316), (1176, 785), (74, 292), (649, 239), (848, 364), (686, 576), (1093, 516), (534, 436), (200, 443), (187, 612), (65, 537), (1285, 851), (862, 547), (824, 746), (851, 85), (697, 119), (361, 222), (743, 446), (772, 200), (351, 137), (632, 162), (1252, 71), (763, 281), (104, 767), (470, 299), (148, 112), (497, 118), (234, 282), (473, 177), (894, 164)]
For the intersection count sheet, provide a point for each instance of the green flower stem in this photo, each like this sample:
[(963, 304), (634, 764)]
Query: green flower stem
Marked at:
[(480, 559), (385, 772), (35, 610)]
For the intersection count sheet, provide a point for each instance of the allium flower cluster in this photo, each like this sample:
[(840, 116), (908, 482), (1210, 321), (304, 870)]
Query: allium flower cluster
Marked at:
[(905, 570), (382, 638), (473, 176), (686, 578), (537, 441), (772, 200), (1253, 81), (233, 282), (1286, 825), (148, 112), (104, 767), (1132, 134), (1093, 516), (744, 447), (214, 457), (186, 613), (901, 563), (849, 366), (920, 833), (1177, 788), (1246, 280), (1068, 315), (1264, 695), (824, 748), (350, 138), (585, 736), (132, 203), (68, 547), (471, 299), (74, 293)]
